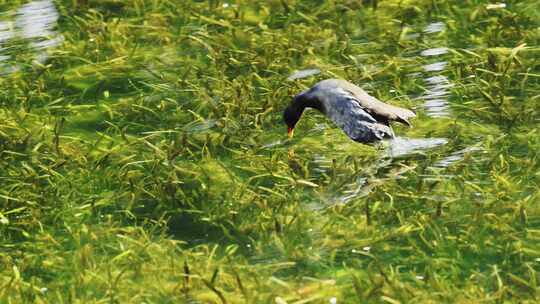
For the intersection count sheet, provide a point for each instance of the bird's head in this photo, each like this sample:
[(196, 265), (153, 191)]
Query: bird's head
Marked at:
[(300, 102), (292, 114)]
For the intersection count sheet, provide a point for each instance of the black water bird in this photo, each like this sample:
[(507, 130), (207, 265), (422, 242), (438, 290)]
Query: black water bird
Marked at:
[(362, 117)]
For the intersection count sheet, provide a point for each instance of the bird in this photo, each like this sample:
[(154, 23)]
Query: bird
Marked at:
[(362, 117)]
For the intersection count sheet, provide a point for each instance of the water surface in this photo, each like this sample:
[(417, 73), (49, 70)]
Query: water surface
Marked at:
[(143, 156)]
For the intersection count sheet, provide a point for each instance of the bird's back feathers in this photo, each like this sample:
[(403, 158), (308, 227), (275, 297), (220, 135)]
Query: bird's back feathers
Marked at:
[(362, 117), (371, 104)]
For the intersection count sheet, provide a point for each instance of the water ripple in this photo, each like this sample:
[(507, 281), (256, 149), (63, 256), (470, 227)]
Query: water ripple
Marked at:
[(303, 74), (434, 51), (455, 157), (400, 146), (35, 24), (438, 85), (435, 67), (494, 6), (435, 27)]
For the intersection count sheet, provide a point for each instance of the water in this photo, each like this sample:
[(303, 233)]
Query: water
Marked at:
[(434, 51), (436, 103), (438, 85), (29, 30), (143, 152), (33, 28), (435, 27), (303, 74), (401, 146)]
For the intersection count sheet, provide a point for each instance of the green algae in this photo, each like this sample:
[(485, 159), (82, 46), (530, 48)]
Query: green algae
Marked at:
[(147, 160)]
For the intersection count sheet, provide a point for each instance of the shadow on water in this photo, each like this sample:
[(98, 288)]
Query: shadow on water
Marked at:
[(28, 35)]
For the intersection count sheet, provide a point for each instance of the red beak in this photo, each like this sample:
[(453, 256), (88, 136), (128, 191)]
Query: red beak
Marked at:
[(290, 132)]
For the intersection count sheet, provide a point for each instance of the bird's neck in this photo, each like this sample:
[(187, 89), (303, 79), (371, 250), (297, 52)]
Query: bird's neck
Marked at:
[(302, 102)]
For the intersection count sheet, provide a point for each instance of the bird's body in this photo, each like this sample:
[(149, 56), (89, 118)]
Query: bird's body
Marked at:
[(361, 116)]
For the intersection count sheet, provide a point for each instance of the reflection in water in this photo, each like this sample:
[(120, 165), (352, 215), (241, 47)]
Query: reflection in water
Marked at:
[(353, 190), (434, 51), (455, 157), (198, 126), (364, 184), (435, 67), (303, 74), (436, 104), (5, 34), (437, 107), (322, 164), (435, 27), (435, 97), (435, 100), (400, 146), (33, 30), (5, 31), (370, 176), (318, 127), (273, 144), (495, 6)]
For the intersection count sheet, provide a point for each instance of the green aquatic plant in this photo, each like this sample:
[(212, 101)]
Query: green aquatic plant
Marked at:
[(147, 160)]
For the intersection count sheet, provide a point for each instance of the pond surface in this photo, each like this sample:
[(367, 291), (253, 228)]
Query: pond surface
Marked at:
[(143, 156), (27, 35)]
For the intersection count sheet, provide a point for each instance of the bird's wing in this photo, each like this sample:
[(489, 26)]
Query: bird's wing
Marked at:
[(380, 109), (348, 113)]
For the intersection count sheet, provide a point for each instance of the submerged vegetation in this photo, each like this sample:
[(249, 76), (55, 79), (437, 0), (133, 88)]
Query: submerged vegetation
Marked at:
[(146, 160)]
